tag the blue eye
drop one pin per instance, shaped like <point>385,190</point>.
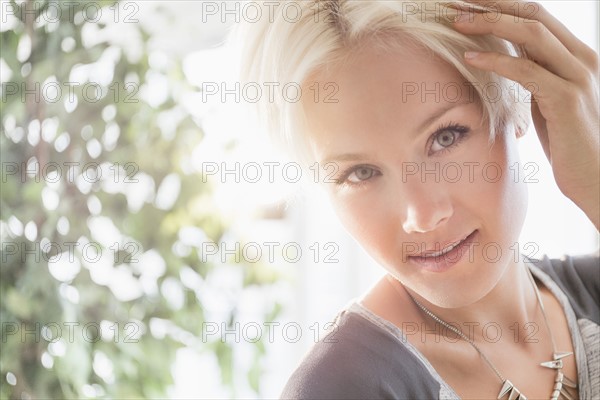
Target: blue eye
<point>447,136</point>
<point>357,175</point>
<point>361,173</point>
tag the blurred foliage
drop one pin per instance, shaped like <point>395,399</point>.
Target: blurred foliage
<point>113,171</point>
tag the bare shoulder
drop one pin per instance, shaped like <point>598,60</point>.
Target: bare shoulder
<point>390,304</point>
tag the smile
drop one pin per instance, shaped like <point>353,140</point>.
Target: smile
<point>448,248</point>
<point>443,260</point>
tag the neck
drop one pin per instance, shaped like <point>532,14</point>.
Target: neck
<point>504,314</point>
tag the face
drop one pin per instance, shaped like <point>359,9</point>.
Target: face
<point>414,173</point>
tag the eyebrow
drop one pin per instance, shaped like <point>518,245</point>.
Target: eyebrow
<point>440,113</point>
<point>428,121</point>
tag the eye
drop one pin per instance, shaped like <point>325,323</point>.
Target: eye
<point>361,174</point>
<point>357,175</point>
<point>446,137</point>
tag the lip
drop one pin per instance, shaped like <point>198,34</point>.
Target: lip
<point>445,261</point>
<point>444,246</point>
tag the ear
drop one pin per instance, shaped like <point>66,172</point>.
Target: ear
<point>520,132</point>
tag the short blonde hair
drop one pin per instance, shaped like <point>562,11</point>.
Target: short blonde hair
<point>294,39</point>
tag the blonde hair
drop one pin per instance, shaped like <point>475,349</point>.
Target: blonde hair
<point>295,38</point>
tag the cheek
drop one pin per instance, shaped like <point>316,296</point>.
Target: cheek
<point>499,190</point>
<point>352,211</point>
<point>370,225</point>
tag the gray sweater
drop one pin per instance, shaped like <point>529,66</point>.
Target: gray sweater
<point>367,357</point>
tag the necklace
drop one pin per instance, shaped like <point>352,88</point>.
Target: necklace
<point>561,382</point>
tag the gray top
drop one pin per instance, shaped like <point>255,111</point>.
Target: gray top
<point>368,357</point>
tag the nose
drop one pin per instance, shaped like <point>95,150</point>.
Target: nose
<point>427,206</point>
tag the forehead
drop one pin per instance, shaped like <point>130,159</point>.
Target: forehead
<point>380,91</point>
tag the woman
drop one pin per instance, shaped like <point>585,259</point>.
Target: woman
<point>396,97</point>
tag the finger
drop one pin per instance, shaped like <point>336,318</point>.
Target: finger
<point>534,11</point>
<point>550,91</point>
<point>539,43</point>
<point>541,129</point>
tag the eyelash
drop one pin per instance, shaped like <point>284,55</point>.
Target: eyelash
<point>461,130</point>
<point>343,179</point>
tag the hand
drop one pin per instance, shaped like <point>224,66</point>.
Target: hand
<point>564,104</point>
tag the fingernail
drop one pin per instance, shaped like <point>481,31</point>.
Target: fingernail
<point>462,17</point>
<point>471,54</point>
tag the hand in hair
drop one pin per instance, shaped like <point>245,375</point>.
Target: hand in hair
<point>562,74</point>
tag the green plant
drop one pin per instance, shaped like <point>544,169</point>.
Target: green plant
<point>100,235</point>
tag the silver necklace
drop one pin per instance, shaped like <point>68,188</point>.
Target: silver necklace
<point>561,382</point>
